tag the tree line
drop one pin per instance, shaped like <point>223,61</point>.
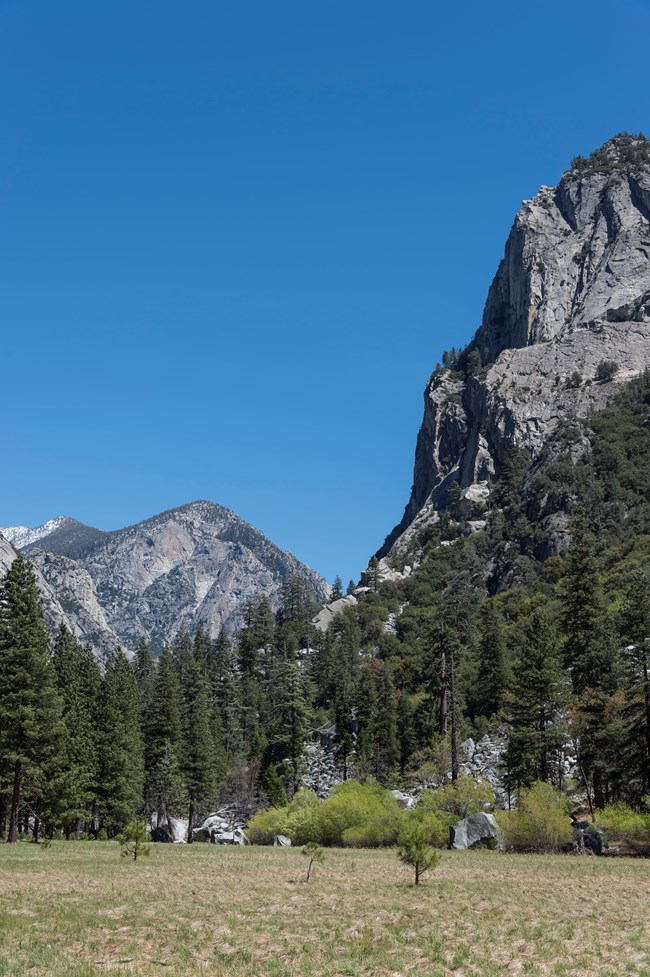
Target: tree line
<point>489,632</point>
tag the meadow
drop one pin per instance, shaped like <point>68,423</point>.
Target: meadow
<point>79,910</point>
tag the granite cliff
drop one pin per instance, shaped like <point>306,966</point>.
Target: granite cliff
<point>571,293</point>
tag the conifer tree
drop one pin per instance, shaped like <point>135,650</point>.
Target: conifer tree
<point>183,654</point>
<point>256,634</point>
<point>199,750</point>
<point>492,665</point>
<point>224,679</point>
<point>337,588</point>
<point>536,704</point>
<point>636,633</point>
<point>78,680</point>
<point>365,708</point>
<point>589,653</point>
<point>161,723</point>
<point>385,746</point>
<point>144,663</point>
<point>343,719</point>
<point>291,719</point>
<point>405,731</point>
<point>121,764</point>
<point>30,709</point>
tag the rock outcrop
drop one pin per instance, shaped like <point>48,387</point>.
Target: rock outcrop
<point>325,617</point>
<point>572,291</point>
<point>53,609</point>
<point>198,563</point>
<point>477,829</point>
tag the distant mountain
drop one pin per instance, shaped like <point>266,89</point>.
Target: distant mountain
<point>60,535</point>
<point>197,563</point>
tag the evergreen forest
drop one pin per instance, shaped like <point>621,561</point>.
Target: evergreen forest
<point>538,625</point>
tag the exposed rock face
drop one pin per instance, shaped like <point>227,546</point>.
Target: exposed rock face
<point>572,290</point>
<point>477,829</point>
<point>325,617</point>
<point>484,761</point>
<point>54,613</point>
<point>198,563</point>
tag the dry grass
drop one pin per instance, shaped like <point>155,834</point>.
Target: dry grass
<point>77,910</point>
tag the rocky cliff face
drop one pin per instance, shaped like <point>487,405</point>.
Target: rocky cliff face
<point>572,291</point>
<point>198,563</point>
<point>52,606</point>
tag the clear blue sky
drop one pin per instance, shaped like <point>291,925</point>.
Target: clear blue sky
<point>235,237</point>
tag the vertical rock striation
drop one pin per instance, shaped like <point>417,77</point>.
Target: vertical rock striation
<point>572,290</point>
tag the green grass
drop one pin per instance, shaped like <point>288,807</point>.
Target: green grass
<point>79,910</point>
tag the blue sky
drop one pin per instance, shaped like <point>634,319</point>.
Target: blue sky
<point>235,238</point>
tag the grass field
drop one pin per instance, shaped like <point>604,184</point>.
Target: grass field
<point>78,909</point>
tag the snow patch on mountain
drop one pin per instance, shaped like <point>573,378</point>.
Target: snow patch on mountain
<point>21,536</point>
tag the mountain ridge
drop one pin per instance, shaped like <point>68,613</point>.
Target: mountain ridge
<point>195,563</point>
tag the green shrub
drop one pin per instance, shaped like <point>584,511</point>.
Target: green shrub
<point>362,815</point>
<point>461,798</point>
<point>300,820</point>
<point>606,370</point>
<point>436,825</point>
<point>265,825</point>
<point>304,821</point>
<point>624,824</point>
<point>540,823</point>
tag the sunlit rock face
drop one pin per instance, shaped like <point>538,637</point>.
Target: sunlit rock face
<point>199,563</point>
<point>572,290</point>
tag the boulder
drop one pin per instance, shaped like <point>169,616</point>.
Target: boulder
<point>405,801</point>
<point>477,828</point>
<point>213,822</point>
<point>160,835</point>
<point>236,837</point>
<point>281,841</point>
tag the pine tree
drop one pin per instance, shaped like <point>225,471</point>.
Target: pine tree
<point>30,709</point>
<point>636,632</point>
<point>365,710</point>
<point>589,653</point>
<point>343,719</point>
<point>121,764</point>
<point>405,731</point>
<point>492,665</point>
<point>385,746</point>
<point>78,680</point>
<point>199,756</point>
<point>224,679</point>
<point>161,724</point>
<point>536,704</point>
<point>144,663</point>
<point>256,634</point>
<point>291,719</point>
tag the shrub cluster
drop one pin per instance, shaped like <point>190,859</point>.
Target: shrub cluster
<point>367,816</point>
<point>355,815</point>
<point>624,824</point>
<point>540,823</point>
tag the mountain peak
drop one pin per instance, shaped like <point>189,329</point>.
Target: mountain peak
<point>22,536</point>
<point>571,293</point>
<point>623,153</point>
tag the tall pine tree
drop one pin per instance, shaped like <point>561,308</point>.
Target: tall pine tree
<point>30,709</point>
